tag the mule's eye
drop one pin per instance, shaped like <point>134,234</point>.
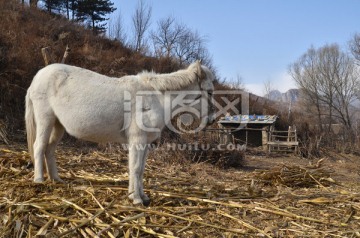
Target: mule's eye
<point>210,93</point>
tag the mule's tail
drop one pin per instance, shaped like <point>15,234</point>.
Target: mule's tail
<point>30,125</point>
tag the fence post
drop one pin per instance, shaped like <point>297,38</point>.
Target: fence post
<point>264,135</point>
<point>46,55</point>
<point>66,54</point>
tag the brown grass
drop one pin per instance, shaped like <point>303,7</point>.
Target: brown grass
<point>24,32</point>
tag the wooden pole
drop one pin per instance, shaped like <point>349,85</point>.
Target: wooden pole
<point>46,55</point>
<point>47,58</point>
<point>66,54</point>
<point>265,138</point>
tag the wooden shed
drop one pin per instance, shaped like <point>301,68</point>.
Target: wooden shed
<point>252,130</point>
<point>258,130</point>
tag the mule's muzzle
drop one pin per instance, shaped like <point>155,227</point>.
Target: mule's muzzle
<point>211,119</point>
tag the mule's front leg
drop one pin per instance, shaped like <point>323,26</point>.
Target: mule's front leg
<point>137,154</point>
<point>144,197</point>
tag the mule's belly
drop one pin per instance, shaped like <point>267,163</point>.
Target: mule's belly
<point>93,123</point>
<point>93,134</point>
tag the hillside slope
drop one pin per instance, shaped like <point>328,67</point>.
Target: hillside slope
<point>25,31</point>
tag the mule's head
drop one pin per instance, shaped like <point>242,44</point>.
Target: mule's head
<point>204,87</point>
<point>191,105</point>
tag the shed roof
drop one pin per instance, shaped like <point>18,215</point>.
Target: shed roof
<point>248,119</point>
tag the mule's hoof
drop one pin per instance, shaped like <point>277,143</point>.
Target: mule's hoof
<point>58,180</point>
<point>38,180</point>
<point>138,202</point>
<point>29,165</point>
<point>146,202</point>
<point>131,196</point>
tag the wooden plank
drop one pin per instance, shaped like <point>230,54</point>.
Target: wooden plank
<point>283,143</point>
<point>283,136</point>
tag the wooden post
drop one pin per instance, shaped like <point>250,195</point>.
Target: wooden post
<point>289,134</point>
<point>228,137</point>
<point>47,58</point>
<point>66,54</point>
<point>265,138</point>
<point>246,137</point>
<point>46,55</point>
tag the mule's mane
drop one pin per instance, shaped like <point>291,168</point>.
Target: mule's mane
<point>172,81</point>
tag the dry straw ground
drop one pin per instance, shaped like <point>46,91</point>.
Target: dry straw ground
<point>267,197</point>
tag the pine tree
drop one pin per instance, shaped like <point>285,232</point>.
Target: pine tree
<point>94,11</point>
<point>70,8</point>
<point>52,5</point>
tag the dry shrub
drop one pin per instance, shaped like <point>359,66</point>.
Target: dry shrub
<point>186,148</point>
<point>310,139</point>
<point>297,176</point>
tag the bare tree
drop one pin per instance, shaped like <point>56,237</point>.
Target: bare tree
<point>354,45</point>
<point>268,87</point>
<point>175,40</point>
<point>141,23</point>
<point>236,83</point>
<point>167,36</point>
<point>306,74</point>
<point>329,82</point>
<point>190,47</point>
<point>239,83</point>
<point>116,29</point>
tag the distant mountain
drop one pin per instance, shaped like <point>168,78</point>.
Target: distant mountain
<point>292,95</point>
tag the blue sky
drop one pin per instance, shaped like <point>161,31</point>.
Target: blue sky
<point>258,39</point>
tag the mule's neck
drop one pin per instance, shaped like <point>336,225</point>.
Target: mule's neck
<point>180,80</point>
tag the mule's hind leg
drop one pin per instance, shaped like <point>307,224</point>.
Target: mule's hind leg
<point>56,135</point>
<point>44,124</point>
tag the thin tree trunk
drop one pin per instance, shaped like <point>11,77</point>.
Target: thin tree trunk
<point>66,54</point>
<point>46,55</point>
<point>67,9</point>
<point>33,3</point>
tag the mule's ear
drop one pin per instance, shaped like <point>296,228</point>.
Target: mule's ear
<point>198,61</point>
<point>200,72</point>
